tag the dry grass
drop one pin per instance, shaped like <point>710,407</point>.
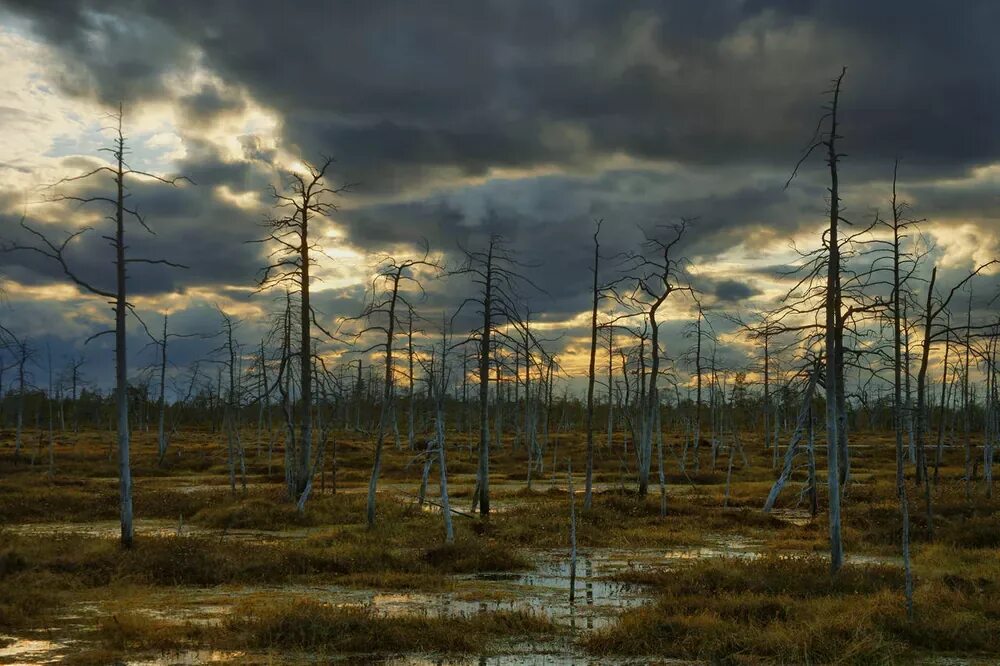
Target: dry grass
<point>308,625</point>
<point>776,609</point>
<point>790,610</point>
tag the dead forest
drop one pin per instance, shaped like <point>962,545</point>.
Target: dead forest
<point>410,483</point>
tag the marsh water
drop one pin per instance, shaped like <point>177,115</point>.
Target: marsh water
<point>542,589</point>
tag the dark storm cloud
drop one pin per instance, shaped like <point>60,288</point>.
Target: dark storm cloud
<point>733,291</point>
<point>548,223</point>
<point>393,86</point>
<point>122,56</point>
<point>192,227</point>
<point>404,94</point>
<point>210,102</point>
<point>415,98</point>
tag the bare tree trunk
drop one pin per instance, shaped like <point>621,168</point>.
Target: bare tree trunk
<point>304,461</point>
<point>529,430</point>
<point>659,458</point>
<point>908,398</point>
<point>572,533</point>
<point>697,403</point>
<point>439,401</point>
<point>161,437</point>
<point>898,406</point>
<point>76,409</point>
<point>548,399</point>
<point>284,382</point>
<point>844,455</point>
<point>517,399</point>
<point>939,452</point>
<point>394,419</point>
<point>425,475</point>
<point>767,400</point>
<point>48,400</point>
<point>121,357</point>
<point>832,352</point>
<point>966,404</point>
<point>498,402</point>
<point>22,360</point>
<point>591,376</point>
<point>410,430</point>
<point>990,414</point>
<point>611,380</point>
<point>805,414</point>
<point>229,418</point>
<point>484,389</point>
<point>921,416</point>
<point>812,490</point>
<point>386,409</point>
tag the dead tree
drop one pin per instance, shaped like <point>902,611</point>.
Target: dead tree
<point>696,355</point>
<point>833,318</point>
<point>526,345</point>
<point>900,224</point>
<point>264,403</point>
<point>437,385</point>
<point>306,200</point>
<point>75,381</point>
<point>121,174</point>
<point>24,354</point>
<point>231,409</point>
<point>934,307</point>
<point>764,332</point>
<point>803,427</point>
<point>966,402</point>
<point>833,350</point>
<point>611,383</point>
<point>390,286</point>
<point>162,438</point>
<point>656,274</point>
<point>591,374</point>
<point>495,273</point>
<point>49,394</point>
<point>939,452</point>
<point>411,397</point>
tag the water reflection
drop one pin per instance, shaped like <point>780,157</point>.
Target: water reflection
<point>545,590</point>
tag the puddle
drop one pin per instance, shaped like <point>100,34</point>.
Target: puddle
<point>14,650</point>
<point>598,600</point>
<point>539,658</point>
<point>191,657</point>
<point>517,655</point>
<point>156,527</point>
<point>191,489</point>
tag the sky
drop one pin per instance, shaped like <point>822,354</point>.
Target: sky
<point>455,120</point>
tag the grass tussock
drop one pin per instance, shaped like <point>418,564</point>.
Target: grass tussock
<point>255,513</point>
<point>475,555</point>
<point>25,597</point>
<point>799,576</point>
<point>790,610</point>
<point>308,625</point>
<point>137,632</point>
<point>35,574</point>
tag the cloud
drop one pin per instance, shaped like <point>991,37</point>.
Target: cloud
<point>529,120</point>
<point>733,291</point>
<point>391,86</point>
